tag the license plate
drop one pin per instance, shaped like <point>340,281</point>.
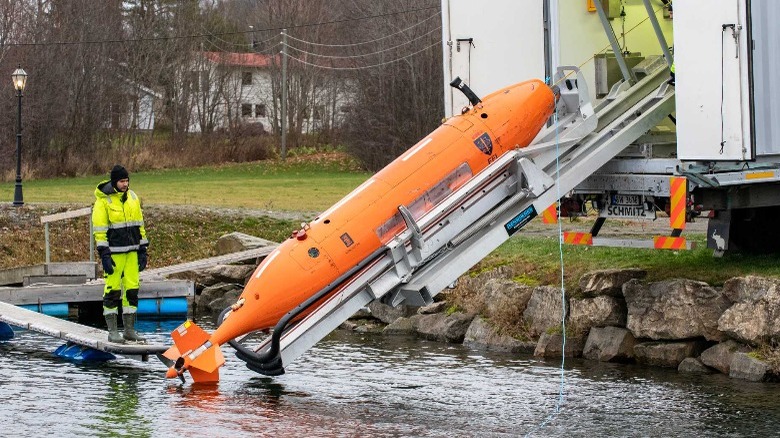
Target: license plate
<point>627,211</point>
<point>635,200</point>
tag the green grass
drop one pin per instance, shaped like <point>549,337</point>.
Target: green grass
<point>176,235</point>
<point>312,184</point>
<point>302,186</point>
<point>537,257</point>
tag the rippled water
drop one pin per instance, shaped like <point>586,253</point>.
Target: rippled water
<point>371,385</point>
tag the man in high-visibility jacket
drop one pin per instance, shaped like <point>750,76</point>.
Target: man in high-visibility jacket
<point>120,237</point>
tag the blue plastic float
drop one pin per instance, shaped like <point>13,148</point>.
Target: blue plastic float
<point>6,332</point>
<point>147,307</point>
<point>81,353</point>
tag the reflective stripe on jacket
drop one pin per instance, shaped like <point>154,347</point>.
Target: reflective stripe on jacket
<point>117,220</point>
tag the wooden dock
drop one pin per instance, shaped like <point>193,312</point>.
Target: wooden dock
<point>82,271</point>
<point>39,290</point>
<point>235,257</point>
<point>75,333</point>
<point>153,283</point>
<point>70,293</point>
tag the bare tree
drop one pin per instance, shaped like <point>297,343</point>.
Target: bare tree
<point>398,101</point>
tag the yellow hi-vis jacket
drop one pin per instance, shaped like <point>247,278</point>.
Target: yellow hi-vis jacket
<point>117,220</point>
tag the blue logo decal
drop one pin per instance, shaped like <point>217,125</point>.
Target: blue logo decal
<point>520,220</point>
<point>484,143</point>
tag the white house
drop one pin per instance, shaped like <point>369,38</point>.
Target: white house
<point>135,109</point>
<point>236,88</point>
<point>247,79</point>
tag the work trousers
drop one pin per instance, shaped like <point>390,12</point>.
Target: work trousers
<point>124,278</point>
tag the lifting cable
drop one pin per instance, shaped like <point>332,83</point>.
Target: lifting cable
<point>562,385</point>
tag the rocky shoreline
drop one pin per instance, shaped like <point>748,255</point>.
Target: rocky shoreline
<point>613,316</point>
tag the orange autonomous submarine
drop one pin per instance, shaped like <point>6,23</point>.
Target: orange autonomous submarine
<point>395,221</point>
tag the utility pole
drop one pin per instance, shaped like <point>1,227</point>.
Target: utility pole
<point>284,94</point>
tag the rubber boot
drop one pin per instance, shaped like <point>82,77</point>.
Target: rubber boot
<point>113,331</point>
<point>128,319</point>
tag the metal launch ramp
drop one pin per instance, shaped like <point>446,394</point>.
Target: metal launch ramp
<point>442,245</point>
<point>75,333</point>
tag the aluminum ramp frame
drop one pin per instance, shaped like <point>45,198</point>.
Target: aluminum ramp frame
<point>75,333</point>
<point>434,251</point>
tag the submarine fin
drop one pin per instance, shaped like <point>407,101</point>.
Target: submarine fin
<point>201,357</point>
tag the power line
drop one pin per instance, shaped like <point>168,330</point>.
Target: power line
<point>365,66</point>
<point>365,42</point>
<point>244,32</point>
<point>364,54</point>
<point>243,45</point>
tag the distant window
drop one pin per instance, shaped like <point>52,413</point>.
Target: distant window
<point>260,110</point>
<point>246,78</point>
<point>246,109</point>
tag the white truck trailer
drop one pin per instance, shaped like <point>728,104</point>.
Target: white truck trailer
<point>722,135</point>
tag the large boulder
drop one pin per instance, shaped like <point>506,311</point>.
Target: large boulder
<point>388,314</point>
<point>211,293</point>
<point>230,273</point>
<point>437,307</point>
<point>550,345</point>
<point>609,344</point>
<point>745,367</point>
<point>754,317</point>
<point>217,305</point>
<point>720,356</point>
<point>444,328</point>
<point>601,311</point>
<point>505,298</point>
<point>472,291</point>
<point>402,326</point>
<point>236,241</point>
<point>665,354</point>
<point>608,281</point>
<point>482,336</point>
<point>544,310</point>
<point>217,274</point>
<point>674,309</point>
<point>691,365</point>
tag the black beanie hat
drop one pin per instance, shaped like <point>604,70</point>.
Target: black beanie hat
<point>117,173</point>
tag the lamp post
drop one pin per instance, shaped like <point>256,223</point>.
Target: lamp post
<point>19,77</point>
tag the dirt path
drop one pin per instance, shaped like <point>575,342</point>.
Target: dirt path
<point>617,228</point>
<point>30,215</point>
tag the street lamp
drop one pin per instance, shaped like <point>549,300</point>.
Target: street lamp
<point>19,78</point>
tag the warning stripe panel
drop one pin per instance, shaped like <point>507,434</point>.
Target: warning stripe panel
<point>665,242</point>
<point>572,238</point>
<point>550,215</point>
<point>678,197</point>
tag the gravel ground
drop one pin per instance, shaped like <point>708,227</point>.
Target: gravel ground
<point>11,217</point>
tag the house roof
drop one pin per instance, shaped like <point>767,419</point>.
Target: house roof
<point>239,59</point>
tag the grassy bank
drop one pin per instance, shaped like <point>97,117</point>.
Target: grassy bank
<point>301,185</point>
<point>180,234</point>
<point>188,209</point>
<point>536,260</point>
<point>177,235</point>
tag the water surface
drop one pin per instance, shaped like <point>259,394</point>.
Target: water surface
<point>372,385</point>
